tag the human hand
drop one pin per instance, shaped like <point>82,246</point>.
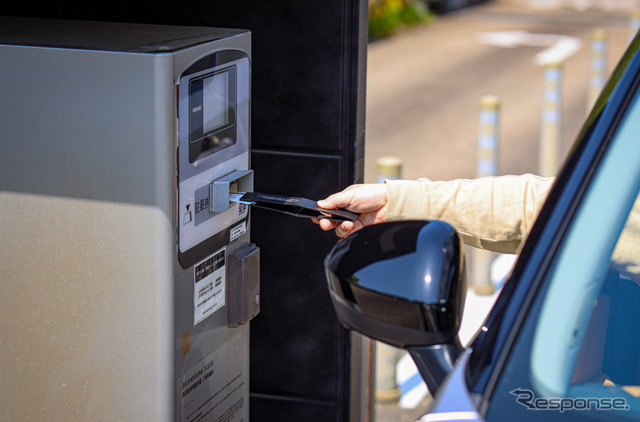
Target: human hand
<point>370,200</point>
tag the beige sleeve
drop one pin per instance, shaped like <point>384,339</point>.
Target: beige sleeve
<point>493,213</point>
<point>626,255</point>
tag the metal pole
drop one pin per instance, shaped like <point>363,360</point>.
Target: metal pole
<point>551,120</point>
<point>362,407</point>
<point>598,68</point>
<point>488,148</point>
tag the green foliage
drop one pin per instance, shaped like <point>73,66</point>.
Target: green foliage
<point>386,17</point>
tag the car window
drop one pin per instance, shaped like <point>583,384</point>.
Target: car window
<point>578,353</point>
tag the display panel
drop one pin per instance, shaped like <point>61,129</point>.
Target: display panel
<point>212,113</point>
<point>215,102</point>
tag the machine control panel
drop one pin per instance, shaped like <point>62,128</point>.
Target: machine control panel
<point>213,145</point>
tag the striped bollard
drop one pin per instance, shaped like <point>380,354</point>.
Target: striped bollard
<point>386,388</point>
<point>598,66</point>
<point>488,139</point>
<point>549,157</point>
<point>634,23</point>
<point>388,167</point>
<point>487,165</point>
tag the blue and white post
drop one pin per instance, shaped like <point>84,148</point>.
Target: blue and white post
<point>488,136</point>
<point>387,390</point>
<point>388,167</point>
<point>598,66</point>
<point>487,165</point>
<point>550,133</point>
<point>634,23</point>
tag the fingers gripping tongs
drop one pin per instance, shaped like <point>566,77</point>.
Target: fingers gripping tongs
<point>298,207</point>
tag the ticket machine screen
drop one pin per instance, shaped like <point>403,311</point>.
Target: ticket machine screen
<point>212,102</point>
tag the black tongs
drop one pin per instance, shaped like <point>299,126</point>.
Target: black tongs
<point>298,207</point>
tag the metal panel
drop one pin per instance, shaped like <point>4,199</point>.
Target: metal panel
<point>87,224</point>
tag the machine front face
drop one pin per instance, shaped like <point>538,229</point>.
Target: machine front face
<point>217,268</point>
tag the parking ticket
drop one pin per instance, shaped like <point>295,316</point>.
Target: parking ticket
<point>298,207</point>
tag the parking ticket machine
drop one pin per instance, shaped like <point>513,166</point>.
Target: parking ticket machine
<point>127,276</point>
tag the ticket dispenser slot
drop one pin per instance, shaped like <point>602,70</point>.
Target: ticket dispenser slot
<point>221,189</point>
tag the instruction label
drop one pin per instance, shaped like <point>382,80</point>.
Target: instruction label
<point>210,391</point>
<point>201,205</point>
<point>238,231</point>
<point>210,285</point>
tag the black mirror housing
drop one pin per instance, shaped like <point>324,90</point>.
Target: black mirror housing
<point>402,283</point>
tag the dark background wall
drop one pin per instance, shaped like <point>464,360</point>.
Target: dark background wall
<point>308,76</point>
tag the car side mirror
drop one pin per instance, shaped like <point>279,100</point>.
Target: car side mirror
<point>403,283</point>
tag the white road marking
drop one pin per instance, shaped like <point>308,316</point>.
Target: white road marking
<point>558,47</point>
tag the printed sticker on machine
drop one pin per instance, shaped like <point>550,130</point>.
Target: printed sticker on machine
<point>209,285</point>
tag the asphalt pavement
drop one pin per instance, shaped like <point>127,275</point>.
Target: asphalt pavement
<point>424,87</point>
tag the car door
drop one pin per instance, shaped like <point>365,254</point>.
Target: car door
<point>576,353</point>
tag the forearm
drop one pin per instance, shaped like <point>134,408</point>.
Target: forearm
<point>626,255</point>
<point>493,213</point>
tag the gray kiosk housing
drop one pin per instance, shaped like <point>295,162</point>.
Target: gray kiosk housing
<point>123,295</point>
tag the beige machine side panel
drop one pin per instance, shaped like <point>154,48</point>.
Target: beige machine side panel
<point>81,309</point>
<point>87,191</point>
